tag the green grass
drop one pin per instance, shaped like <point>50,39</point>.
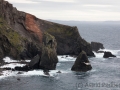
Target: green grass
<point>13,36</point>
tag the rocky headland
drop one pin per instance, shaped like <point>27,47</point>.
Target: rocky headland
<point>24,36</point>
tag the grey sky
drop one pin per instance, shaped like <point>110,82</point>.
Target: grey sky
<point>82,10</point>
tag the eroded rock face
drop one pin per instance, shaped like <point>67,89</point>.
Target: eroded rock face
<point>68,38</point>
<point>32,26</point>
<point>47,58</point>
<point>108,54</point>
<point>21,31</point>
<point>82,63</point>
<point>96,46</point>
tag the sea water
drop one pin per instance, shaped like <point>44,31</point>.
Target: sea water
<point>105,74</point>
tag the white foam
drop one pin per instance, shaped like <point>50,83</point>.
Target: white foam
<point>34,72</point>
<point>100,55</point>
<point>12,65</point>
<point>27,60</point>
<point>8,60</point>
<point>110,50</point>
<point>52,73</point>
<point>8,73</point>
<point>65,59</point>
<point>118,56</point>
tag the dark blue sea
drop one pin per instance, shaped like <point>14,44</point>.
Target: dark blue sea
<point>105,74</point>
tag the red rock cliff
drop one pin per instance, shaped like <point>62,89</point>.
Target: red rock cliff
<point>32,26</point>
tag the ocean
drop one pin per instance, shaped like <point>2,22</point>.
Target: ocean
<point>105,74</point>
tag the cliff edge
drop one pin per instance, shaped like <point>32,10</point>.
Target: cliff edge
<point>21,35</point>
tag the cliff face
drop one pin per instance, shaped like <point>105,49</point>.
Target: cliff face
<point>28,36</point>
<point>69,41</point>
<point>28,31</point>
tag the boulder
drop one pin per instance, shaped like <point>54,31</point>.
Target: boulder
<point>108,54</point>
<point>82,63</point>
<point>24,68</point>
<point>96,46</point>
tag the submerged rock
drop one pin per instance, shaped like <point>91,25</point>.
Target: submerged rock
<point>46,72</point>
<point>108,54</point>
<point>82,63</point>
<point>59,72</point>
<point>24,68</point>
<point>96,46</point>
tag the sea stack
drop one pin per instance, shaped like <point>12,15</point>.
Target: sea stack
<point>108,54</point>
<point>82,63</point>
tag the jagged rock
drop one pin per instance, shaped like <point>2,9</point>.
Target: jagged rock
<point>108,54</point>
<point>68,39</point>
<point>82,63</point>
<point>35,62</point>
<point>96,46</point>
<point>24,68</point>
<point>49,58</point>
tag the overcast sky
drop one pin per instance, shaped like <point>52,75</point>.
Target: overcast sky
<point>79,10</point>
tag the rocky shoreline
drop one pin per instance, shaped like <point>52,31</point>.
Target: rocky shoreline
<point>24,36</point>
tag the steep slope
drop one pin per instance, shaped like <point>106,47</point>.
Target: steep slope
<point>21,37</point>
<point>32,29</point>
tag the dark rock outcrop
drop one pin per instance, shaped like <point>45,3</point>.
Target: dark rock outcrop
<point>49,58</point>
<point>96,46</point>
<point>108,54</point>
<point>68,39</point>
<point>82,63</point>
<point>46,59</point>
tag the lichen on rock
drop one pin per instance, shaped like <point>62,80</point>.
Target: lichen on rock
<point>10,40</point>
